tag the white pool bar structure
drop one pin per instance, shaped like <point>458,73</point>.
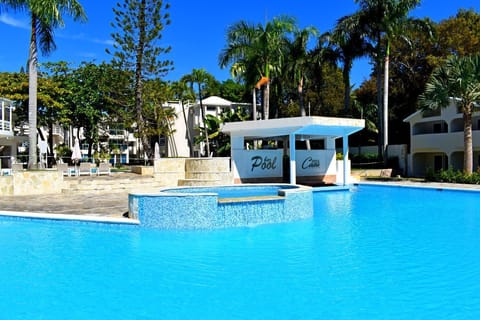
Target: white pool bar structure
<point>293,150</point>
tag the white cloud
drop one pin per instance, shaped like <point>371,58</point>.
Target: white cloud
<point>6,19</point>
<point>108,42</point>
<point>86,38</point>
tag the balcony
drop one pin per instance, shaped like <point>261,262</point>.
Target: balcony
<point>6,109</point>
<point>442,142</point>
<point>58,131</point>
<point>117,134</point>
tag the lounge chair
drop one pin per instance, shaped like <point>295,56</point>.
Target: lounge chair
<point>6,172</point>
<point>103,168</point>
<point>63,168</point>
<point>17,167</point>
<point>86,168</point>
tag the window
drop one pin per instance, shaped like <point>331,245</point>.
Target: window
<point>440,162</point>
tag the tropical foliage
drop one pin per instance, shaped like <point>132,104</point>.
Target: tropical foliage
<point>219,141</point>
<point>453,176</point>
<point>382,21</point>
<point>200,77</point>
<point>256,51</point>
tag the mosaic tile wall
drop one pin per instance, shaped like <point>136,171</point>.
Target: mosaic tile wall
<point>203,211</point>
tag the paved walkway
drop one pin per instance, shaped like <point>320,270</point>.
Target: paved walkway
<point>116,204</point>
<point>93,204</point>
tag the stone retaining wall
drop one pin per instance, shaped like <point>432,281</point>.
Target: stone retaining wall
<point>193,171</point>
<point>6,185</point>
<point>31,182</point>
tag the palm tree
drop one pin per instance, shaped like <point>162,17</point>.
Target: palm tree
<point>298,60</point>
<point>257,51</point>
<point>200,77</point>
<point>182,92</point>
<point>345,44</point>
<point>382,21</point>
<point>45,16</point>
<point>458,80</point>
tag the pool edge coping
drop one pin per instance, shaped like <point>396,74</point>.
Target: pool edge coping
<point>69,217</point>
<point>418,186</point>
<point>169,191</point>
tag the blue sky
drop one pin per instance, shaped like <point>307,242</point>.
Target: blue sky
<point>197,32</point>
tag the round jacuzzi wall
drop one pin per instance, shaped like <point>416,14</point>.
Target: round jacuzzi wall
<point>202,208</point>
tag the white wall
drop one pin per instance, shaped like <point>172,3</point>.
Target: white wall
<point>258,163</point>
<point>315,163</point>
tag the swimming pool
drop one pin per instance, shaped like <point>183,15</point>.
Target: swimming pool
<point>372,253</point>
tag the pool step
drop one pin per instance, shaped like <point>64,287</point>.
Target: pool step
<point>111,184</point>
<point>200,182</point>
<point>206,178</point>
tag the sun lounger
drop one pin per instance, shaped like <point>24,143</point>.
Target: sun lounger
<point>6,172</point>
<point>103,168</point>
<point>17,167</point>
<point>66,170</point>
<point>86,168</point>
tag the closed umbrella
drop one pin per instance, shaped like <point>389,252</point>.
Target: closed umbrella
<point>157,151</point>
<point>76,153</point>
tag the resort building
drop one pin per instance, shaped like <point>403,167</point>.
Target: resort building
<point>188,122</point>
<point>8,141</point>
<point>120,141</point>
<point>436,140</point>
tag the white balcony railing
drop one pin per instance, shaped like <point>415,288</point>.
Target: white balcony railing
<point>6,109</point>
<point>441,141</point>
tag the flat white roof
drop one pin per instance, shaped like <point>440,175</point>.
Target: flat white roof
<point>309,127</point>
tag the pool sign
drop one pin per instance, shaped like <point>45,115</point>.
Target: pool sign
<point>314,162</point>
<point>310,162</point>
<point>263,163</point>
<point>259,163</point>
<point>269,163</point>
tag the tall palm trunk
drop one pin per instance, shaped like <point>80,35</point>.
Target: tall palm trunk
<point>379,96</point>
<point>467,136</point>
<point>187,129</point>
<point>266,101</point>
<point>385,107</point>
<point>303,113</point>
<point>380,110</point>
<point>346,84</point>
<point>204,119</point>
<point>32,96</point>
<point>50,158</point>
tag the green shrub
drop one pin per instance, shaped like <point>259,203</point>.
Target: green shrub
<point>364,157</point>
<point>452,176</point>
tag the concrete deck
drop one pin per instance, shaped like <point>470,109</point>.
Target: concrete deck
<point>92,204</point>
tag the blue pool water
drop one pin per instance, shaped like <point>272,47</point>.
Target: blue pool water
<point>372,253</point>
<point>237,191</point>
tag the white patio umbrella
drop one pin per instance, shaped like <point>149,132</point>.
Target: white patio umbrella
<point>76,153</point>
<point>157,151</point>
